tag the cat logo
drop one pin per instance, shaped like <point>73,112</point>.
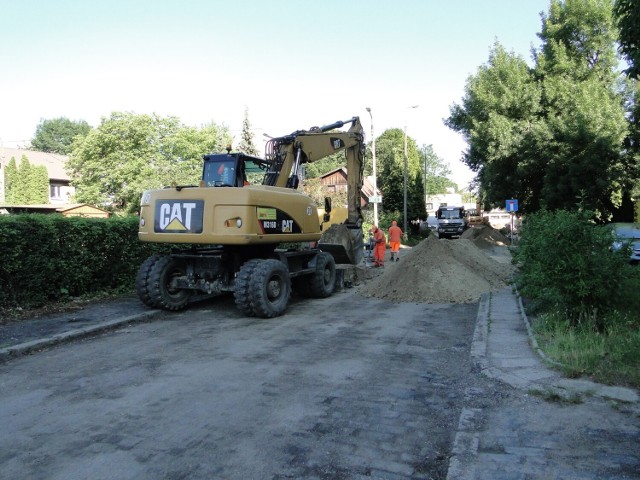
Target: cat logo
<point>173,216</point>
<point>287,226</point>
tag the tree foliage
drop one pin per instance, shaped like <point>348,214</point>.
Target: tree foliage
<point>246,142</point>
<point>26,184</point>
<point>57,135</point>
<point>435,171</point>
<point>130,153</point>
<point>390,159</point>
<point>551,135</point>
<point>566,264</point>
<point>627,14</point>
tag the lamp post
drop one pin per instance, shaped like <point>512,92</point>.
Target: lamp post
<point>405,231</point>
<point>375,175</point>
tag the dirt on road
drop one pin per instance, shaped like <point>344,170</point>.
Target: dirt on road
<point>446,271</point>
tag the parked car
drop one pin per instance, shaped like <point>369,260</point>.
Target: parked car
<point>628,233</point>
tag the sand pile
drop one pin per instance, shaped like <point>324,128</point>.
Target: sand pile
<point>442,271</point>
<point>485,237</point>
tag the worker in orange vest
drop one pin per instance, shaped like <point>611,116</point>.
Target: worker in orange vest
<point>380,245</point>
<point>395,236</point>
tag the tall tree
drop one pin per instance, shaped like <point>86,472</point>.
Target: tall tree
<point>551,136</point>
<point>583,108</point>
<point>57,135</point>
<point>390,157</point>
<point>627,13</point>
<point>10,179</point>
<point>26,184</point>
<point>435,171</point>
<point>500,118</point>
<point>130,153</point>
<point>246,142</point>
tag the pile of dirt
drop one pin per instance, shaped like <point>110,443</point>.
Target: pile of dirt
<point>485,237</point>
<point>443,271</point>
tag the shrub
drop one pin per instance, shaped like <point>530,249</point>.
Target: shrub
<point>566,264</point>
<point>45,258</point>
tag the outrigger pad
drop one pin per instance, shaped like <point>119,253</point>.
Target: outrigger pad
<point>345,244</point>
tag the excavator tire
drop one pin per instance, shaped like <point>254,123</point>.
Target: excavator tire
<point>270,288</point>
<point>143,283</point>
<point>160,291</point>
<point>242,290</point>
<point>323,280</point>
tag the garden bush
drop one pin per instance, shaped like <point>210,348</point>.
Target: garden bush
<point>45,258</point>
<point>566,265</point>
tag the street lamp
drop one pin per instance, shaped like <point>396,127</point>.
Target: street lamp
<point>405,231</point>
<point>375,175</point>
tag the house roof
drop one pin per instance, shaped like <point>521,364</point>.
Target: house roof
<point>54,162</point>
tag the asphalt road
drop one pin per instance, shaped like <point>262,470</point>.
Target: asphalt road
<point>344,387</point>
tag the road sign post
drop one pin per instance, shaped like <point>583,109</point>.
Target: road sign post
<point>512,208</point>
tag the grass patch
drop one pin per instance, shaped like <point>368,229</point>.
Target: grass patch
<point>610,356</point>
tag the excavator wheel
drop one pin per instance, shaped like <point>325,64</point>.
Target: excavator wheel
<point>143,283</point>
<point>242,290</point>
<point>323,280</point>
<point>270,288</point>
<point>161,292</point>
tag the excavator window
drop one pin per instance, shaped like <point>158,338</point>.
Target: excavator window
<point>220,174</point>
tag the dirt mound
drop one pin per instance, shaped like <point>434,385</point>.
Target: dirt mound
<point>484,236</point>
<point>440,271</point>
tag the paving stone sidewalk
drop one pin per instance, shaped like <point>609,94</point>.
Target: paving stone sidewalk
<point>552,427</point>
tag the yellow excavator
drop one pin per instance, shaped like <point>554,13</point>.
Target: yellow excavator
<point>257,240</point>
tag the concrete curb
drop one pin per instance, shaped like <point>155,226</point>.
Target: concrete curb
<point>14,351</point>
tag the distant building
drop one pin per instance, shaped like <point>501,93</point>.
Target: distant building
<point>66,210</point>
<point>60,190</point>
<point>336,181</point>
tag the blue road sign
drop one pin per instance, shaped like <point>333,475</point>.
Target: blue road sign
<point>512,205</point>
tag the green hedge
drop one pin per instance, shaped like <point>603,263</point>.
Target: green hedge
<point>45,258</point>
<point>566,265</point>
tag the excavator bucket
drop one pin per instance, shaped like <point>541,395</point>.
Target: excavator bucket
<point>345,244</point>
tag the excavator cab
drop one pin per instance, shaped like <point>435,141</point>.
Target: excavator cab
<point>232,170</point>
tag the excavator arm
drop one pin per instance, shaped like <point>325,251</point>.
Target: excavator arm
<point>286,154</point>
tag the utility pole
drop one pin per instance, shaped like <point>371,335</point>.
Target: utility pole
<point>405,231</point>
<point>375,175</point>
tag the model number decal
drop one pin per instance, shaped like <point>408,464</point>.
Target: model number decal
<point>273,221</point>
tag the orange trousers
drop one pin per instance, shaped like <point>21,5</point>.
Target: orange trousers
<point>378,254</point>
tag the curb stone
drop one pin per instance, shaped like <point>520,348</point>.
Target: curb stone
<point>14,351</point>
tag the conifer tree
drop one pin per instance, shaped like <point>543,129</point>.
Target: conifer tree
<point>246,142</point>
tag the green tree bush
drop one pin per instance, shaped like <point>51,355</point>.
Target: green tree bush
<point>46,258</point>
<point>129,153</point>
<point>57,135</point>
<point>566,265</point>
<point>26,184</point>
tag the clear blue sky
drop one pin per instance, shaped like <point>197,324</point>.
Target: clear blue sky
<point>293,64</point>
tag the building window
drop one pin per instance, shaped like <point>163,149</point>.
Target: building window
<point>55,191</point>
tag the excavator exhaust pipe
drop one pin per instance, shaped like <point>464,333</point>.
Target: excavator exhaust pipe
<point>345,244</point>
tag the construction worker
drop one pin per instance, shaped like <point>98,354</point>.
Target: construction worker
<point>395,236</point>
<point>380,245</point>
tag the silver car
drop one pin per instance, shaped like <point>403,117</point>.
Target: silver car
<point>628,233</point>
